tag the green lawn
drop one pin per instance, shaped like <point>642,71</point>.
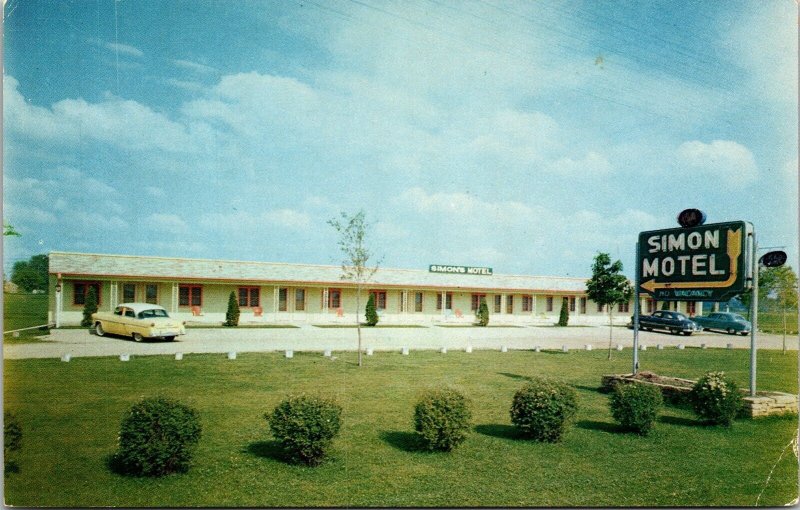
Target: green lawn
<point>70,413</point>
<point>770,322</point>
<point>24,311</point>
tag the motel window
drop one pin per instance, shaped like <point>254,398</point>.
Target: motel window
<point>476,301</point>
<point>572,304</point>
<point>190,295</point>
<point>151,293</point>
<point>128,293</point>
<point>624,307</point>
<point>498,303</point>
<point>418,301</point>
<point>299,300</point>
<point>334,298</point>
<point>509,304</point>
<point>690,308</point>
<point>81,290</point>
<point>549,303</point>
<point>651,306</point>
<point>380,299</point>
<point>283,303</point>
<point>600,307</point>
<point>448,301</point>
<point>527,303</point>
<point>583,305</point>
<point>249,296</point>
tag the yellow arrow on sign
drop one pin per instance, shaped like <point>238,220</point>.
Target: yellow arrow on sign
<point>734,250</point>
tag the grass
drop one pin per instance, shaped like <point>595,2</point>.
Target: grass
<point>241,326</point>
<point>24,311</point>
<point>769,322</point>
<point>70,414</point>
<point>477,326</point>
<point>353,326</point>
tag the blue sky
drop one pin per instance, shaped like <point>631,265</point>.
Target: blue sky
<point>523,136</point>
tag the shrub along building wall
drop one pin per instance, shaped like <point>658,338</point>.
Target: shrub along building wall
<point>197,290</point>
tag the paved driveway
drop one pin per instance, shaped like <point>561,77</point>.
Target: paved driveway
<point>80,342</point>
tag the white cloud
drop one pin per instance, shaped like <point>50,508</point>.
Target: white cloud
<point>170,223</point>
<point>593,164</point>
<point>118,48</point>
<point>194,66</point>
<point>288,218</point>
<point>729,161</point>
<point>155,192</point>
<point>245,223</point>
<point>189,86</point>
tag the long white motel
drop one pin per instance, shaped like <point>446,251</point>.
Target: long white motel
<point>197,291</point>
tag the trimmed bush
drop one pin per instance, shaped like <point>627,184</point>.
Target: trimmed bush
<point>482,314</point>
<point>89,307</point>
<point>12,440</point>
<point>232,315</point>
<point>371,314</point>
<point>157,437</point>
<point>305,426</point>
<point>543,409</point>
<point>442,418</point>
<point>636,406</point>
<point>716,399</point>
<point>563,318</point>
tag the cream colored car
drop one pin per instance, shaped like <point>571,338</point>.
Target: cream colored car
<point>138,320</point>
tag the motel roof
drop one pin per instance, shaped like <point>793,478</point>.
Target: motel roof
<point>90,265</point>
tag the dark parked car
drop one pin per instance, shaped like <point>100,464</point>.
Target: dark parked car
<point>730,323</point>
<point>674,322</point>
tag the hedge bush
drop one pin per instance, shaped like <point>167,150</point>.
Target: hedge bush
<point>636,406</point>
<point>716,399</point>
<point>370,312</point>
<point>306,425</point>
<point>233,312</point>
<point>157,438</point>
<point>12,441</point>
<point>482,314</point>
<point>442,418</point>
<point>543,409</point>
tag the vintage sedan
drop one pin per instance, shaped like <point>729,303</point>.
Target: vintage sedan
<point>138,320</point>
<point>730,323</point>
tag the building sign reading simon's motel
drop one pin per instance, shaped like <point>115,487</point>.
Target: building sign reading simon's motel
<point>703,263</point>
<point>436,268</point>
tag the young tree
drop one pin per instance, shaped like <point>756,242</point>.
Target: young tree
<point>8,230</point>
<point>371,314</point>
<point>607,287</point>
<point>89,307</point>
<point>483,313</point>
<point>232,315</point>
<point>352,232</point>
<point>31,274</point>
<point>563,318</point>
<point>777,293</point>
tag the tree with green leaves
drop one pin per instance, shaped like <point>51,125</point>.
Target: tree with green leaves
<point>89,306</point>
<point>777,293</point>
<point>352,230</point>
<point>608,287</point>
<point>483,313</point>
<point>8,230</point>
<point>563,318</point>
<point>232,315</point>
<point>31,275</point>
<point>371,314</point>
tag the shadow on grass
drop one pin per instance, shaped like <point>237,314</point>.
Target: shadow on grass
<point>404,441</point>
<point>685,422</point>
<point>267,450</point>
<point>499,430</point>
<point>515,376</point>
<point>602,426</point>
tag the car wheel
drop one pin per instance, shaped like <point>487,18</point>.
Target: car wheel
<point>744,333</point>
<point>137,337</point>
<point>731,331</point>
<point>169,338</point>
<point>98,329</point>
<point>674,331</point>
<point>687,333</point>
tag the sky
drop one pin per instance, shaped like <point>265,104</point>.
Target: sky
<point>522,136</point>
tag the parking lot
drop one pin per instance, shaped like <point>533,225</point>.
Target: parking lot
<point>80,342</point>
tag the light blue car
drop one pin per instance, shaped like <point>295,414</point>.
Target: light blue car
<point>730,323</point>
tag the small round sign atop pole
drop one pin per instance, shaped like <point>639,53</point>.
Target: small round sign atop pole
<point>691,218</point>
<point>773,259</point>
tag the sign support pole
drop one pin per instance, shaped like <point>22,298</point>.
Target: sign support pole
<point>754,317</point>
<point>636,313</point>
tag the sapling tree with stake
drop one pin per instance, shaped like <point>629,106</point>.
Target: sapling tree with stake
<point>352,232</point>
<point>608,287</point>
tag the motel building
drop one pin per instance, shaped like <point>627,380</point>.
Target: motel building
<point>197,291</point>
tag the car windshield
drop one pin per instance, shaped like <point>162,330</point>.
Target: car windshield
<point>738,318</point>
<point>679,315</point>
<point>152,313</point>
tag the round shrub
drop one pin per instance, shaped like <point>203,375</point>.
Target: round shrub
<point>306,425</point>
<point>442,418</point>
<point>716,399</point>
<point>636,406</point>
<point>543,409</point>
<point>157,437</point>
<point>12,440</point>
